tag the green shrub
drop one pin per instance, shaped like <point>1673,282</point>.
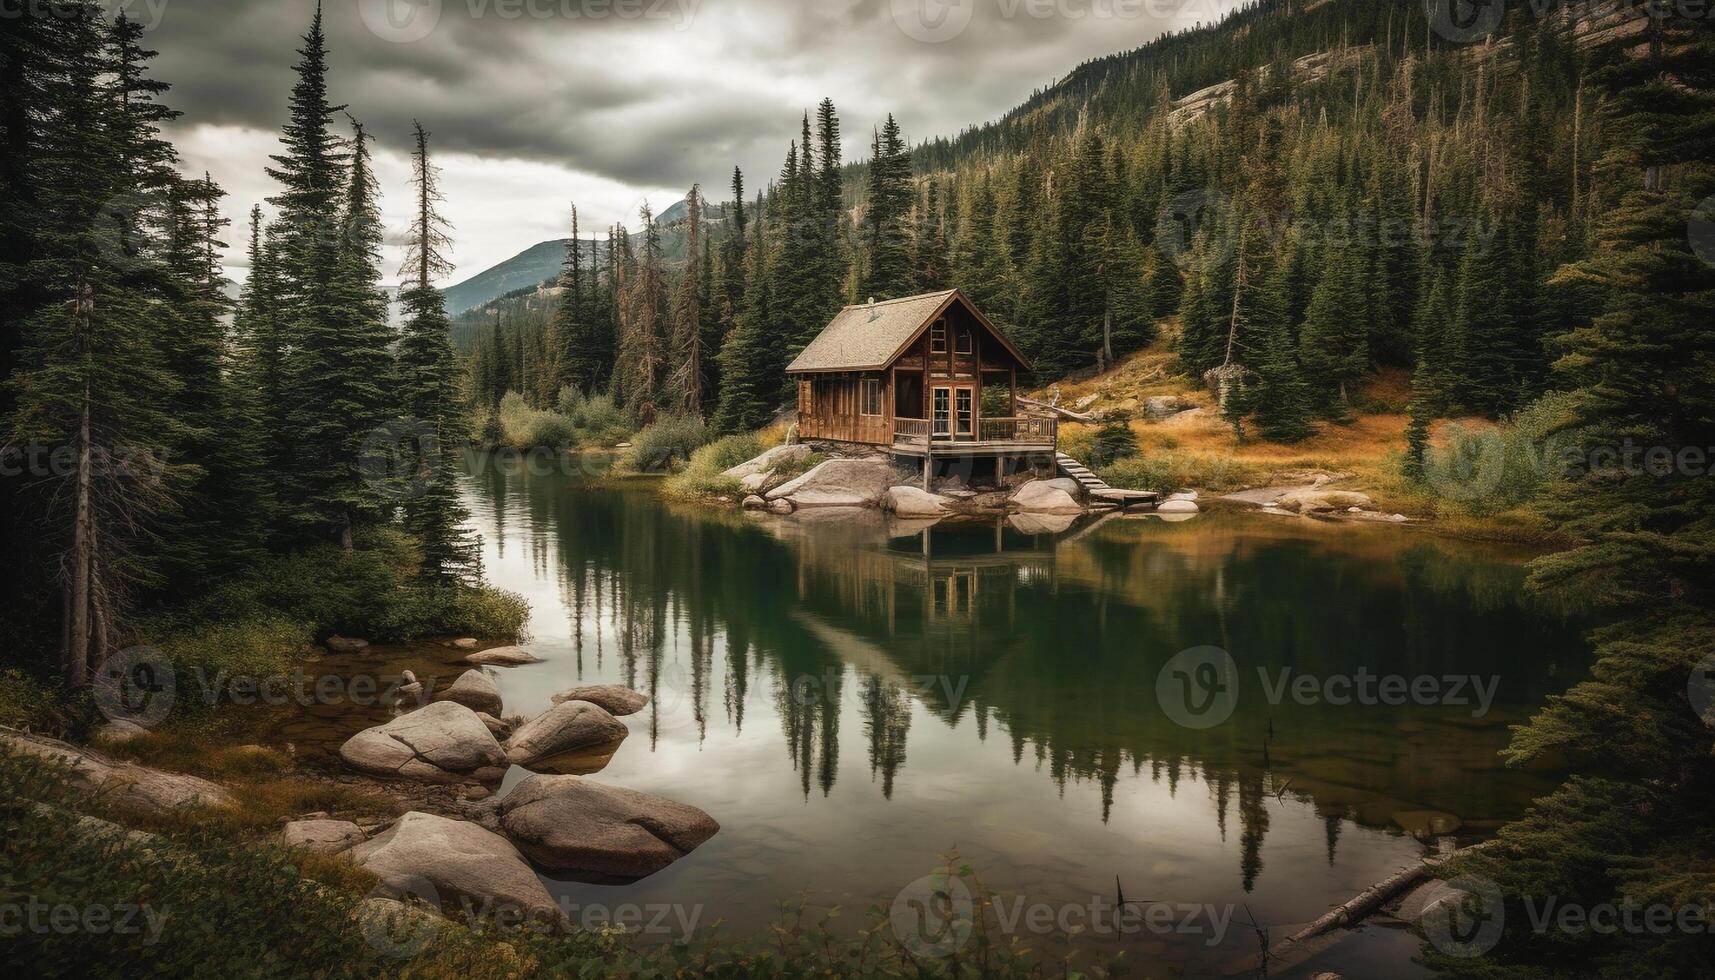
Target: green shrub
<point>1113,443</point>
<point>1483,472</point>
<point>530,428</point>
<point>702,477</point>
<point>598,421</point>
<point>256,624</point>
<point>255,646</point>
<point>491,433</point>
<point>27,703</point>
<point>665,444</point>
<point>1168,472</point>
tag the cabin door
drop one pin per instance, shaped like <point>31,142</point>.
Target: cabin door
<point>941,410</point>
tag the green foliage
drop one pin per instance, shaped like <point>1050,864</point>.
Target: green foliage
<point>596,419</point>
<point>1491,469</point>
<point>259,621</point>
<point>702,477</point>
<point>1112,443</point>
<point>666,444</point>
<point>524,427</point>
<point>1168,472</point>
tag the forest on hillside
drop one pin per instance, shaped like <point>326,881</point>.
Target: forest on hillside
<point>1361,193</point>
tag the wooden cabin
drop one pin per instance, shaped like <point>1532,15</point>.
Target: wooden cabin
<point>909,374</point>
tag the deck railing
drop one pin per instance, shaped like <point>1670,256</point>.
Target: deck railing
<point>910,430</point>
<point>1032,431</point>
<point>1028,430</point>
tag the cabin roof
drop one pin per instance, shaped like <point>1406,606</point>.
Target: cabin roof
<point>870,336</point>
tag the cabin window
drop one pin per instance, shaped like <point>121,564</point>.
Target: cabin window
<point>938,337</point>
<point>964,341</point>
<point>869,396</point>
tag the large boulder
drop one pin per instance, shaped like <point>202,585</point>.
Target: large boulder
<point>912,502</point>
<point>462,862</point>
<point>1159,407</point>
<point>346,644</point>
<point>502,657</point>
<point>475,690</point>
<point>838,483</point>
<point>443,742</point>
<point>572,824</point>
<point>570,726</point>
<point>768,462</point>
<point>1048,497</point>
<point>612,698</point>
<point>322,836</point>
<point>1320,500</point>
<point>127,784</point>
<point>1177,506</point>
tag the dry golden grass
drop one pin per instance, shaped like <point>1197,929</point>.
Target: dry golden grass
<point>1197,449</point>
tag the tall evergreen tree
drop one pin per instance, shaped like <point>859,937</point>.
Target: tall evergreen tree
<point>686,384</point>
<point>426,371</point>
<point>886,213</point>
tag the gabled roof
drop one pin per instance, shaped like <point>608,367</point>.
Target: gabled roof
<point>870,336</point>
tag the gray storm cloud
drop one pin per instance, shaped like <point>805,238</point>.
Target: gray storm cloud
<point>648,92</point>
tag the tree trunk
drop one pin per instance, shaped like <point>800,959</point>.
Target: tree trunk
<point>1107,338</point>
<point>82,558</point>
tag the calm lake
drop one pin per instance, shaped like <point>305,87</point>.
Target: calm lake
<point>851,699</point>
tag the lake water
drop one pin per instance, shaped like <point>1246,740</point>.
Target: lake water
<point>852,699</point>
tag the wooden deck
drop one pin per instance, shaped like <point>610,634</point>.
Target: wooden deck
<point>993,437</point>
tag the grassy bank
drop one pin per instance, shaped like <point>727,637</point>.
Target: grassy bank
<point>214,892</point>
<point>1482,482</point>
<point>265,621</point>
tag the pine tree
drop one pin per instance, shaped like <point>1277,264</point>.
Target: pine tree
<point>426,369</point>
<point>1431,381</point>
<point>1629,828</point>
<point>643,326</point>
<point>1334,342</point>
<point>340,366</point>
<point>978,263</point>
<point>886,212</point>
<point>929,241</point>
<point>686,383</point>
<point>749,381</point>
<point>90,373</point>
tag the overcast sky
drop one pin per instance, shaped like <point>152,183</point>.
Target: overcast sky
<point>535,104</point>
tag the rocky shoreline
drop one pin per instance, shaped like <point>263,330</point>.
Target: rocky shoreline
<point>448,837</point>
<point>1035,502</point>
